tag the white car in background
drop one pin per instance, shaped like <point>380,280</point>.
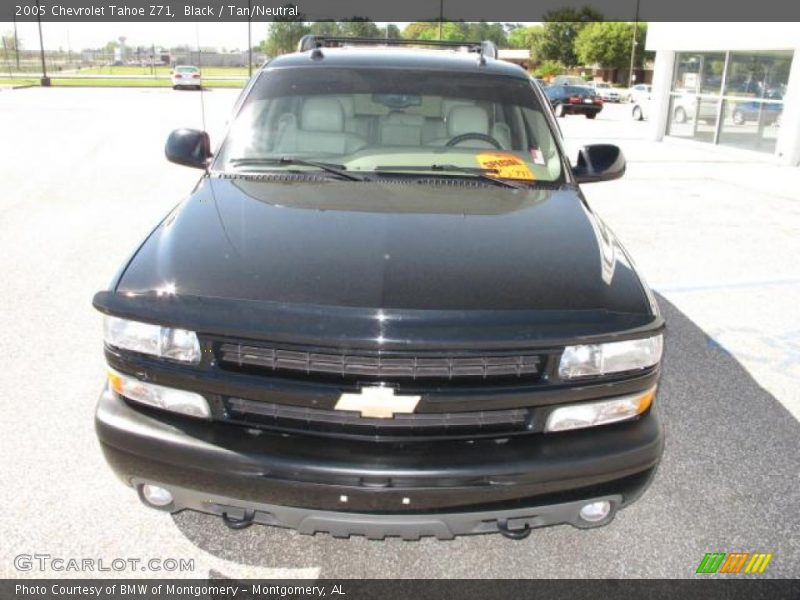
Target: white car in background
<point>641,109</point>
<point>640,93</point>
<point>186,76</point>
<point>605,91</point>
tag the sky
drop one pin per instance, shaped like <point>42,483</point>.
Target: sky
<point>77,36</point>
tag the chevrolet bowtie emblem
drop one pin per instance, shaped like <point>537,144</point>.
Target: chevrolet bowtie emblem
<point>377,403</point>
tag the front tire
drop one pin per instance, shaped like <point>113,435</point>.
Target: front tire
<point>679,115</point>
<point>637,113</point>
<point>738,117</point>
<point>591,115</point>
<point>559,110</point>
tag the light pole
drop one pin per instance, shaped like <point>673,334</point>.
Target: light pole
<point>249,43</point>
<point>441,17</point>
<point>16,41</point>
<point>633,44</point>
<point>45,81</point>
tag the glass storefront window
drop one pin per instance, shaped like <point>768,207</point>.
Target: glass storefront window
<point>693,116</point>
<point>746,114</point>
<point>694,98</point>
<point>758,74</point>
<point>699,73</point>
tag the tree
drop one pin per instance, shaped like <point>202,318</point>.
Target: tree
<point>9,43</point>
<point>527,38</point>
<point>548,69</point>
<point>359,27</point>
<point>284,33</point>
<point>325,28</point>
<point>559,31</point>
<point>608,44</point>
<point>392,32</point>
<point>477,32</point>
<point>414,30</point>
<point>451,32</point>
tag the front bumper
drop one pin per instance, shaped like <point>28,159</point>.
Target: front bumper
<point>347,487</point>
<point>582,109</point>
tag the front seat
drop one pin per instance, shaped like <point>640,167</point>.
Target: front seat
<point>464,118</point>
<point>321,130</point>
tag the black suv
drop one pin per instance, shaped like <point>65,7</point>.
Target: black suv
<point>385,309</point>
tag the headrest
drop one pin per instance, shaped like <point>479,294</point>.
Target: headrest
<point>348,104</point>
<point>322,114</point>
<point>398,118</point>
<point>467,119</point>
<point>449,103</point>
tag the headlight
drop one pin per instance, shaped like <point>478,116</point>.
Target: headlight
<point>590,414</point>
<point>178,401</point>
<point>614,357</point>
<point>164,342</point>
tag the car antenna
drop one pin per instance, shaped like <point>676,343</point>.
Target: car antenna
<point>200,66</point>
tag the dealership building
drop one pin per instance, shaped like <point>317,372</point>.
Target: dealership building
<point>736,85</point>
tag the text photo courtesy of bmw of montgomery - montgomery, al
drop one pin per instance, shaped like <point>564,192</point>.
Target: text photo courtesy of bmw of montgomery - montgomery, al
<point>356,299</point>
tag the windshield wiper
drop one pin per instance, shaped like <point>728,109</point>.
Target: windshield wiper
<point>481,173</point>
<point>339,170</point>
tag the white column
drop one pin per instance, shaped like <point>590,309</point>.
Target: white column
<point>788,147</point>
<point>659,98</point>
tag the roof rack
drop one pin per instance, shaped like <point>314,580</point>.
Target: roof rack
<point>485,48</point>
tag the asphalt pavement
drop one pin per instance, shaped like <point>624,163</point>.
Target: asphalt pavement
<point>84,179</point>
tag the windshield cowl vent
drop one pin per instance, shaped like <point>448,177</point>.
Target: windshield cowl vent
<point>276,177</point>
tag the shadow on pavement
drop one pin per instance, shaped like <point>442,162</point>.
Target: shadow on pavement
<point>729,482</point>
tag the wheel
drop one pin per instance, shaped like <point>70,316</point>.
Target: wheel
<point>174,87</point>
<point>591,115</point>
<point>637,113</point>
<point>679,115</point>
<point>559,110</point>
<point>738,117</point>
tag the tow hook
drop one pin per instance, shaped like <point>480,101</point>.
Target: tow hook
<point>513,534</point>
<point>242,523</point>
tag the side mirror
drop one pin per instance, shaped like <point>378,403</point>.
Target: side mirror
<point>188,147</point>
<point>599,162</point>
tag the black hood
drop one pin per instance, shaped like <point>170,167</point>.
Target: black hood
<point>388,245</point>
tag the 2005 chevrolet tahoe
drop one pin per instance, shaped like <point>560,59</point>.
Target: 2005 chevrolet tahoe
<point>385,309</point>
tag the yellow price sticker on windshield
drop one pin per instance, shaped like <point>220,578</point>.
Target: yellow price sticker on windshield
<point>505,165</point>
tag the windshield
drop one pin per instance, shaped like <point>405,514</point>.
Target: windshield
<point>378,121</point>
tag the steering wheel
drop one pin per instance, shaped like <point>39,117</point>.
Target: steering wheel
<point>483,137</point>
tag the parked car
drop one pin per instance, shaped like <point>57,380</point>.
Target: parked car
<point>768,109</point>
<point>605,91</point>
<point>769,113</point>
<point>641,110</point>
<point>639,92</point>
<point>574,100</point>
<point>184,76</point>
<point>688,106</point>
<point>568,80</point>
<point>385,309</point>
